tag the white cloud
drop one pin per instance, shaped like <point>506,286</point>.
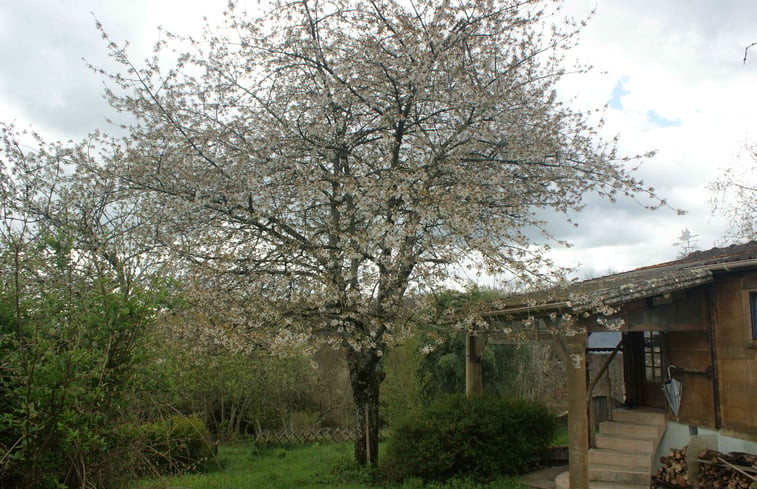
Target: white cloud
<point>673,75</point>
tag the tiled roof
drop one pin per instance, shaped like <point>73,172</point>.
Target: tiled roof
<point>715,256</point>
<point>695,269</point>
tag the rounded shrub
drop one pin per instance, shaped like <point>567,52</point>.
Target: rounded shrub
<point>479,437</point>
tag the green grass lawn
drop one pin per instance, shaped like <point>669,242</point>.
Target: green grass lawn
<point>307,467</point>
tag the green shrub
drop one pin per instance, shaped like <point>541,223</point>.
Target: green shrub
<point>480,437</point>
<point>170,445</point>
<point>68,363</point>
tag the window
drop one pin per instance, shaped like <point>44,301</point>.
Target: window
<point>753,309</point>
<point>653,362</point>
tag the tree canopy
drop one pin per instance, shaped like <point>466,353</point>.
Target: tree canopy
<point>323,160</point>
<point>734,194</point>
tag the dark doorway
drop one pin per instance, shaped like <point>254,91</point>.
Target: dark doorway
<point>644,363</point>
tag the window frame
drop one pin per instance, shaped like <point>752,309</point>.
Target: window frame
<point>654,357</point>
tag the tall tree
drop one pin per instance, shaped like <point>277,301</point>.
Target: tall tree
<point>330,156</point>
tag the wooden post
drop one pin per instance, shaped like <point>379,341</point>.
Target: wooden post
<point>474,381</point>
<point>578,424</point>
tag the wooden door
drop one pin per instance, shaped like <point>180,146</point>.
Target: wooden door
<point>644,364</point>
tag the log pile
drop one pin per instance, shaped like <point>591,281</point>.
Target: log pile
<point>673,472</point>
<point>726,471</point>
<point>716,471</point>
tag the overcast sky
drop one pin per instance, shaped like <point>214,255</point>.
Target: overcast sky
<point>671,73</point>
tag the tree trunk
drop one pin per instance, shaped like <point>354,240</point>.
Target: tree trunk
<point>366,375</point>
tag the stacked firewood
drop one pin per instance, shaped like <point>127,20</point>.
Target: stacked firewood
<point>727,471</point>
<point>717,471</point>
<point>673,472</point>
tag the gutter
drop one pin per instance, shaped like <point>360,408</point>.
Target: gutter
<point>726,267</point>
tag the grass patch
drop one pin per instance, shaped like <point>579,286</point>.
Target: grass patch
<point>561,437</point>
<point>308,467</point>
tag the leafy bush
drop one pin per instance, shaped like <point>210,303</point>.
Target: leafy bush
<point>169,446</point>
<point>479,437</point>
<point>68,366</point>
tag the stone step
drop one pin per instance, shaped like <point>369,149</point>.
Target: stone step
<point>617,473</point>
<point>562,482</point>
<point>628,430</point>
<point>636,445</point>
<point>625,449</point>
<point>640,416</point>
<point>623,458</point>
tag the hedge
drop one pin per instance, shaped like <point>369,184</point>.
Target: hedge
<point>479,437</point>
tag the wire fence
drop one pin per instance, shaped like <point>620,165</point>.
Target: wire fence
<point>302,437</point>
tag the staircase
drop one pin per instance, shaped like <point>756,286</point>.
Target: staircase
<point>625,450</point>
